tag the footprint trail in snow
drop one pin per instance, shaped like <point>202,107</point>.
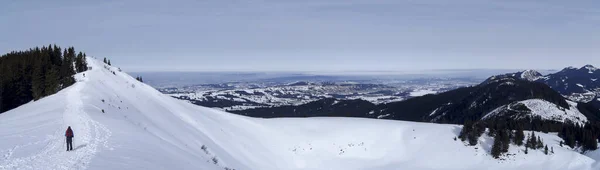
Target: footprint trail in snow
<point>90,136</point>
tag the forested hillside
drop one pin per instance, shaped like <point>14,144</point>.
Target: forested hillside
<point>37,72</point>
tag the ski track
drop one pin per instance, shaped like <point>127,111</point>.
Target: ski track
<point>89,135</point>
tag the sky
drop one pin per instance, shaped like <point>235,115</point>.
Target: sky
<point>312,35</point>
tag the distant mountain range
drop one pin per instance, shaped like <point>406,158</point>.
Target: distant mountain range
<point>570,94</point>
<point>569,81</point>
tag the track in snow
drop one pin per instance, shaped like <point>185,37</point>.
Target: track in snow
<point>89,135</point>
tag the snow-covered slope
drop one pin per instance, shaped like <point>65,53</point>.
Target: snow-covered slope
<point>529,75</point>
<point>120,123</point>
<point>539,108</point>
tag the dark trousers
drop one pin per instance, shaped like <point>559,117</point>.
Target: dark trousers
<point>69,143</point>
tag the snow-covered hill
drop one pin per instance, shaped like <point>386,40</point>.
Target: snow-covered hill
<point>120,123</point>
<point>539,108</point>
<point>529,75</point>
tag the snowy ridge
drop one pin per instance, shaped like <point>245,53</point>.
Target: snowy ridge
<point>530,75</point>
<point>53,156</point>
<point>541,108</point>
<point>120,123</point>
<point>591,69</point>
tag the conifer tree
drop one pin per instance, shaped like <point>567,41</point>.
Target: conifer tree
<point>519,136</point>
<point>533,143</point>
<point>84,62</point>
<point>1,94</point>
<point>466,129</point>
<point>529,142</point>
<point>52,81</point>
<point>38,82</point>
<point>505,140</point>
<point>78,62</point>
<point>67,70</point>
<point>497,147</point>
<point>34,73</point>
<point>540,143</point>
<point>546,150</point>
<point>589,140</point>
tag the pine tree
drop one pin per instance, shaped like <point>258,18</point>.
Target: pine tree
<point>84,62</point>
<point>38,82</point>
<point>540,143</point>
<point>52,82</point>
<point>589,141</point>
<point>570,140</point>
<point>505,140</point>
<point>34,73</point>
<point>466,129</point>
<point>105,62</point>
<point>533,143</point>
<point>529,142</point>
<point>526,150</point>
<point>79,66</point>
<point>501,142</point>
<point>497,147</point>
<point>519,136</point>
<point>546,150</point>
<point>67,71</point>
<point>109,63</point>
<point>1,94</point>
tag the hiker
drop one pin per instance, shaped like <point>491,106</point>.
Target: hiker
<point>69,135</point>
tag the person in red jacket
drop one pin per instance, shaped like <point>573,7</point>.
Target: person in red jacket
<point>69,135</point>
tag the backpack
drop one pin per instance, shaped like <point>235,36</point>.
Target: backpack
<point>69,133</point>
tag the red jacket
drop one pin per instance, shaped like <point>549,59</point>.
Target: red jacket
<point>69,133</point>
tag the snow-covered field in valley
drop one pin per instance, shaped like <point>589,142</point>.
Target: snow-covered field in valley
<point>120,123</point>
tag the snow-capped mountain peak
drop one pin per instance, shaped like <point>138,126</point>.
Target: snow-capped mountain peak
<point>569,68</point>
<point>590,68</point>
<point>530,75</point>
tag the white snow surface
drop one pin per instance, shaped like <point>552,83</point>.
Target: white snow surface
<point>530,75</point>
<point>550,111</point>
<point>547,111</point>
<point>421,92</point>
<point>140,128</point>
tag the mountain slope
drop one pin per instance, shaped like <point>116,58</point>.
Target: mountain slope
<point>533,108</point>
<point>120,123</point>
<point>529,75</point>
<point>572,80</point>
<point>492,94</point>
<point>576,84</point>
<point>454,106</point>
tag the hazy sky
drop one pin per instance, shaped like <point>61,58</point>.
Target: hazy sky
<point>312,35</point>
